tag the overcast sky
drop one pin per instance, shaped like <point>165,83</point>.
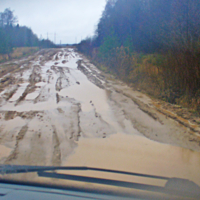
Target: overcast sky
<point>71,20</point>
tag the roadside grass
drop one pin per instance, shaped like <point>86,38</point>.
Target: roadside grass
<point>146,73</point>
<point>159,76</point>
<point>169,76</point>
<point>18,52</point>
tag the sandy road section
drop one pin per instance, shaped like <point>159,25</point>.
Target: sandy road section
<point>56,108</point>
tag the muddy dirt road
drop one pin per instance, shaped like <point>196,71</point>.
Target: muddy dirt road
<point>56,108</point>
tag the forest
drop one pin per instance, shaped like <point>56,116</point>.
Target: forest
<point>153,45</point>
<point>12,35</point>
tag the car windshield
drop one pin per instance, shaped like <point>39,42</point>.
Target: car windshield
<point>107,84</point>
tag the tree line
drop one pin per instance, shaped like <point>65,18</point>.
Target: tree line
<point>12,35</point>
<point>153,40</point>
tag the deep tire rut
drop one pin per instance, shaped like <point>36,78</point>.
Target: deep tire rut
<point>19,137</point>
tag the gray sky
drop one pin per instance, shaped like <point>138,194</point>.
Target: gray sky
<point>71,20</point>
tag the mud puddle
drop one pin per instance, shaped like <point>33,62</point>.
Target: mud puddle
<point>137,154</point>
<point>87,93</point>
<point>4,151</point>
<point>19,92</point>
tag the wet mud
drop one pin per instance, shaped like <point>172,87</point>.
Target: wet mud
<point>56,108</point>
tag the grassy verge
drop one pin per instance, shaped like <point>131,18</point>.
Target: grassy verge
<point>18,53</point>
<point>172,77</point>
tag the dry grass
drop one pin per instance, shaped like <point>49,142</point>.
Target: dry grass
<point>172,77</point>
<point>18,53</point>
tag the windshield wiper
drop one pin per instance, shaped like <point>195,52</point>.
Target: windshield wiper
<point>174,186</point>
<point>10,169</point>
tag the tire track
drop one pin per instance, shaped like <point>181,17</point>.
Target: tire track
<point>56,157</point>
<point>89,75</point>
<point>19,137</point>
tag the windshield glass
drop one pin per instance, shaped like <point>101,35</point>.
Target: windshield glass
<point>104,84</point>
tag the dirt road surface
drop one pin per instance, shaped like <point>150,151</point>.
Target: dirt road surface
<point>56,108</point>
